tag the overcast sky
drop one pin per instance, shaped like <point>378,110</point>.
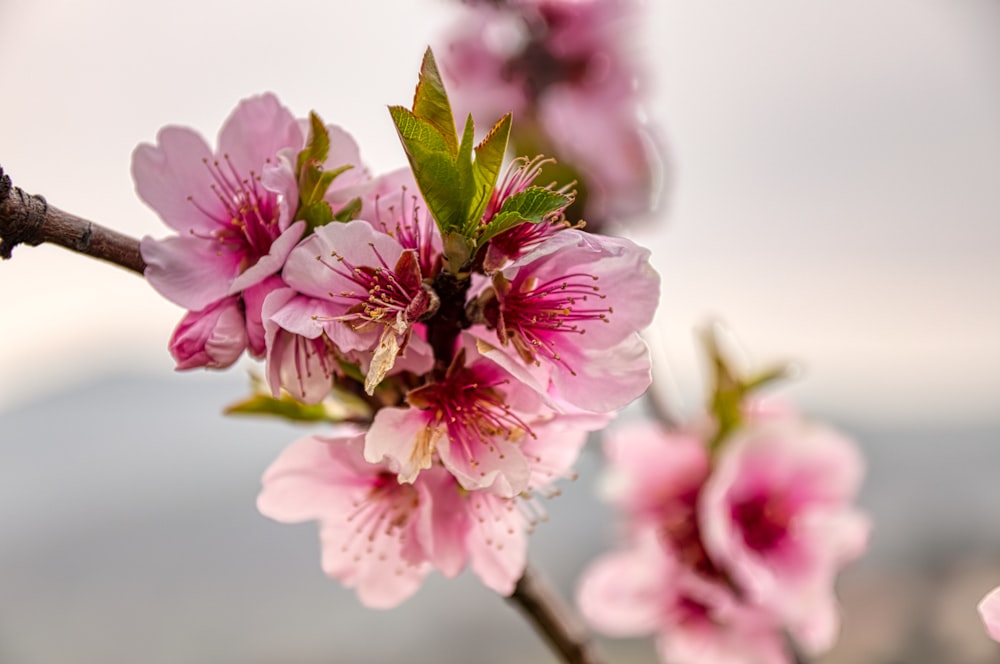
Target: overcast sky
<point>835,191</point>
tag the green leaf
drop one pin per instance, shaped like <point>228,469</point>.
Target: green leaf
<point>430,102</point>
<point>285,407</point>
<point>489,160</point>
<point>350,211</point>
<point>467,179</point>
<point>318,146</point>
<point>414,130</point>
<point>316,214</point>
<point>532,205</point>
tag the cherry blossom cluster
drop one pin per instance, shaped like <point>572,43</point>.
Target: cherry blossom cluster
<point>566,71</point>
<point>733,541</point>
<point>462,334</point>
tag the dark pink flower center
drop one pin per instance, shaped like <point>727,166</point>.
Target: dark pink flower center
<point>248,213</point>
<point>384,295</point>
<point>763,520</point>
<point>535,316</point>
<point>473,412</point>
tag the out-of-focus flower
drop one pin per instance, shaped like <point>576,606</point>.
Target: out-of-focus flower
<point>564,69</point>
<point>728,549</point>
<point>777,513</point>
<point>989,611</point>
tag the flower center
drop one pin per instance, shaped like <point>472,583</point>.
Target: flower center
<point>248,216</point>
<point>534,316</point>
<point>764,520</point>
<point>384,296</point>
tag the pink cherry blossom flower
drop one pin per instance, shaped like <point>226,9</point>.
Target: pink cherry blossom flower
<point>228,218</point>
<point>374,285</point>
<point>382,537</point>
<point>565,70</point>
<point>370,523</point>
<point>232,208</point>
<point>577,302</point>
<point>643,589</point>
<point>989,611</point>
<point>777,513</point>
<point>474,419</point>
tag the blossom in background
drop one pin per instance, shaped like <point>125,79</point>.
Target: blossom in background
<point>727,551</point>
<point>233,211</point>
<point>565,71</point>
<point>989,611</point>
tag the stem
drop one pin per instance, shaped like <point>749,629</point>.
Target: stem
<point>29,219</point>
<point>450,319</point>
<point>554,620</point>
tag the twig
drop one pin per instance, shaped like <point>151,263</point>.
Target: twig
<point>29,219</point>
<point>553,620</point>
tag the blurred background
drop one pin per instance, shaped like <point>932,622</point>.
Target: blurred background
<point>834,199</point>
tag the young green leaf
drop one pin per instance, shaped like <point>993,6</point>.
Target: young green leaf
<point>430,102</point>
<point>533,205</point>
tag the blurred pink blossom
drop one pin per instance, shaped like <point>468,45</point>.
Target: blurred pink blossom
<point>564,68</point>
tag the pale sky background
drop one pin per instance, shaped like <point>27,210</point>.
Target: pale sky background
<point>835,195</point>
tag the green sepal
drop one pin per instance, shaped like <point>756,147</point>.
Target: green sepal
<point>730,390</point>
<point>315,214</point>
<point>312,180</point>
<point>318,144</point>
<point>533,205</point>
<point>349,211</point>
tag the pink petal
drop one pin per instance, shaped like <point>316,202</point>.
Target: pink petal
<point>313,269</point>
<point>989,611</point>
<point>623,593</point>
<point>171,178</point>
<point>188,271</point>
<point>444,528</point>
<point>311,479</point>
<point>273,261</point>
<point>603,380</point>
<point>257,129</point>
<point>498,544</point>
<point>253,302</point>
<point>403,439</point>
<point>382,578</point>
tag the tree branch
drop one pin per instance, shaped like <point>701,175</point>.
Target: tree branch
<point>553,620</point>
<point>29,219</point>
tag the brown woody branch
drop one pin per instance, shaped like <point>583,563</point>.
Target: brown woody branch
<point>553,620</point>
<point>29,219</point>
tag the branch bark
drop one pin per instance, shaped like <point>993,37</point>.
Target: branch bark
<point>29,219</point>
<point>553,620</point>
